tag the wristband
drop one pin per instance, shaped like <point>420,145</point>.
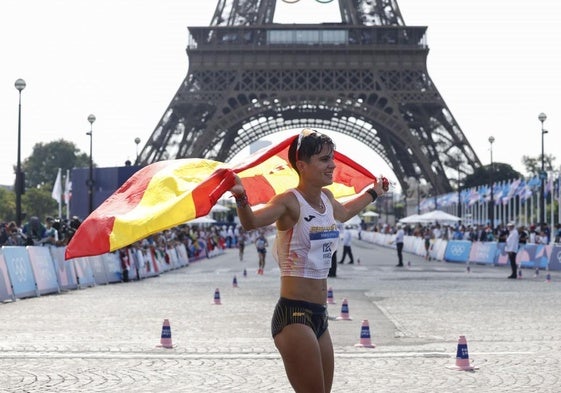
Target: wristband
<point>241,200</point>
<point>372,193</point>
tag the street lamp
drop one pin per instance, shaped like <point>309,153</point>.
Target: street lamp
<point>491,170</point>
<point>20,85</point>
<point>459,209</point>
<point>542,117</point>
<point>90,182</point>
<point>137,141</point>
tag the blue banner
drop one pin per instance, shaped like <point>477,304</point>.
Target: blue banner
<point>555,258</point>
<point>457,251</point>
<point>20,272</point>
<point>483,252</point>
<point>5,285</point>
<point>43,269</point>
<point>532,256</point>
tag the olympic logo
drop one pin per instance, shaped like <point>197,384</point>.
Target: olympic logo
<point>457,249</point>
<point>19,269</point>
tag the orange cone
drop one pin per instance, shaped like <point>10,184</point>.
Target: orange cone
<point>365,341</point>
<point>217,296</point>
<point>165,340</point>
<point>235,282</point>
<point>344,312</point>
<point>462,356</point>
<point>330,296</point>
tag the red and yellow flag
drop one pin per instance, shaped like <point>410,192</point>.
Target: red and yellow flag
<point>169,193</point>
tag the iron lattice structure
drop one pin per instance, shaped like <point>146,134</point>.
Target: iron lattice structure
<point>365,77</point>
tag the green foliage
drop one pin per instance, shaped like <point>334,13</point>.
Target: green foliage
<point>40,174</point>
<point>482,175</point>
<point>39,202</point>
<point>533,165</point>
<point>7,205</point>
<point>41,167</point>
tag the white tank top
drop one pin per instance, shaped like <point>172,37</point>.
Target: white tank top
<point>305,250</point>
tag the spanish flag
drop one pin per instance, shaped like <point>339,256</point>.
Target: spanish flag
<point>169,193</point>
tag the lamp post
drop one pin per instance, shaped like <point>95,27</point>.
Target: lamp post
<point>492,201</point>
<point>20,85</point>
<point>137,141</point>
<point>459,209</point>
<point>542,117</point>
<point>90,182</point>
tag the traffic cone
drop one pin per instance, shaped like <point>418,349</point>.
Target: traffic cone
<point>330,296</point>
<point>462,356</point>
<point>344,312</point>
<point>235,282</point>
<point>217,296</point>
<point>165,340</point>
<point>365,341</point>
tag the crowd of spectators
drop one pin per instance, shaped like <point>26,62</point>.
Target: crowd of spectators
<point>199,239</point>
<point>202,239</point>
<point>482,233</point>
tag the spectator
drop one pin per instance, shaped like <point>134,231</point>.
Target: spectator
<point>50,236</point>
<point>511,248</point>
<point>33,231</point>
<point>347,246</point>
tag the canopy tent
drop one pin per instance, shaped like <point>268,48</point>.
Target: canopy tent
<point>219,209</point>
<point>202,220</point>
<point>355,220</point>
<point>438,216</point>
<point>370,214</point>
<point>412,219</point>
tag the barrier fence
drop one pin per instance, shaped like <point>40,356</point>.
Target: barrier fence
<point>547,257</point>
<point>40,270</point>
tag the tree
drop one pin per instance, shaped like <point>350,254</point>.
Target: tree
<point>482,175</point>
<point>41,167</point>
<point>39,202</point>
<point>40,170</point>
<point>533,165</point>
<point>7,205</point>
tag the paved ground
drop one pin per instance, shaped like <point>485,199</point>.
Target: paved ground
<point>104,339</point>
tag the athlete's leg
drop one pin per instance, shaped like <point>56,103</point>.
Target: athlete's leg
<point>300,350</point>
<point>327,358</point>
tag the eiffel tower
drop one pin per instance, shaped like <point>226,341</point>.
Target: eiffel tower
<point>365,77</point>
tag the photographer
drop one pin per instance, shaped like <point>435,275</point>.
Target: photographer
<point>65,230</point>
<point>33,231</point>
<point>50,237</point>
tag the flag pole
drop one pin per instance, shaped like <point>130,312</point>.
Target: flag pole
<point>67,194</point>
<point>57,192</point>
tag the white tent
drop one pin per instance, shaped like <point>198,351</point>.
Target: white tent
<point>219,209</point>
<point>355,220</point>
<point>202,220</point>
<point>412,219</point>
<point>370,214</point>
<point>438,216</point>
